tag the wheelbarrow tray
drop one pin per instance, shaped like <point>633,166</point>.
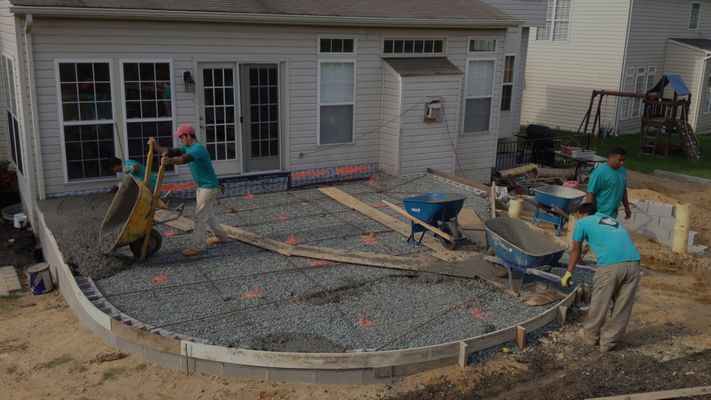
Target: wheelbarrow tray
<point>127,217</point>
<point>567,199</point>
<point>522,244</point>
<point>433,207</point>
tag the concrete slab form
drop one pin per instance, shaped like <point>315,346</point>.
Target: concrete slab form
<point>194,354</point>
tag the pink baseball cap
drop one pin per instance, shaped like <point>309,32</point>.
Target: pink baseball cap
<point>184,129</point>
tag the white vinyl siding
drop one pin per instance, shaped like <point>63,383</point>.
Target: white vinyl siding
<point>336,102</point>
<point>479,93</point>
<point>557,26</point>
<point>695,15</point>
<point>148,108</point>
<point>11,114</point>
<point>8,44</point>
<point>687,62</point>
<point>86,106</point>
<point>560,76</point>
<point>707,94</point>
<point>390,122</point>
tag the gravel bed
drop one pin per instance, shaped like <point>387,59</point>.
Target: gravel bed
<point>149,277</point>
<point>225,330</point>
<point>228,266</point>
<point>259,201</point>
<point>356,242</point>
<point>307,195</point>
<point>385,182</point>
<point>169,305</point>
<point>356,187</point>
<point>255,291</point>
<point>365,224</point>
<point>342,279</point>
<point>306,229</point>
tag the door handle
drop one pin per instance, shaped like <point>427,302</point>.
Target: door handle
<point>241,119</point>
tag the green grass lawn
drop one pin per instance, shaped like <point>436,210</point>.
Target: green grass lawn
<point>675,162</point>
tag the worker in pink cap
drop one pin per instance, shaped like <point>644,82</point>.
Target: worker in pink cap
<point>195,154</point>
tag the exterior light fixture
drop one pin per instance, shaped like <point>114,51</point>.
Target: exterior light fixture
<point>189,82</point>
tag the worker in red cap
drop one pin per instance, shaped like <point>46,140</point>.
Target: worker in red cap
<point>195,154</point>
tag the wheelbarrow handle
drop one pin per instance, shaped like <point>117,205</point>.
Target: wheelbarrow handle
<point>154,204</point>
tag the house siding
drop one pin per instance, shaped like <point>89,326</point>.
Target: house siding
<point>530,12</point>
<point>686,62</point>
<point>703,118</point>
<point>651,24</point>
<point>428,144</point>
<point>390,122</point>
<point>8,46</point>
<point>561,75</point>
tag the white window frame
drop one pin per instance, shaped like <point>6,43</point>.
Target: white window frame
<point>318,100</point>
<point>60,115</point>
<point>512,83</point>
<point>633,105</point>
<point>698,17</point>
<point>353,53</point>
<point>200,86</point>
<point>20,142</point>
<point>550,34</point>
<point>443,53</point>
<point>173,93</point>
<point>494,82</point>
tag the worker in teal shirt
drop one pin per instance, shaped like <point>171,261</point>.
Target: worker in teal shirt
<point>131,167</point>
<point>608,185</point>
<point>198,159</point>
<point>616,278</point>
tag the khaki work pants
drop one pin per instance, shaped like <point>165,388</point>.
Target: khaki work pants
<point>617,283</point>
<point>205,215</point>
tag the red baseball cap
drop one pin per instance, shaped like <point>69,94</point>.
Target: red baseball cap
<point>184,129</point>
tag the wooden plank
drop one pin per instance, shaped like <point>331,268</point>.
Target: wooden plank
<point>183,223</point>
<point>664,394</point>
<point>492,339</point>
<point>469,220</point>
<point>562,315</point>
<point>395,224</point>
<point>492,199</point>
<point>356,257</point>
<point>463,354</point>
<point>144,338</point>
<point>419,221</point>
<point>521,337</point>
<point>257,240</point>
<point>459,179</point>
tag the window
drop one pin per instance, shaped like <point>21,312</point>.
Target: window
<point>411,47</point>
<point>336,45</point>
<point>638,80</point>
<point>479,91</point>
<point>10,99</point>
<point>336,101</point>
<point>149,108</point>
<point>557,24</point>
<point>87,118</point>
<point>695,14</point>
<point>220,139</point>
<point>507,86</point>
<point>477,45</point>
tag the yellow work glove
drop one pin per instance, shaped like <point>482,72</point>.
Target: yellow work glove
<point>567,279</point>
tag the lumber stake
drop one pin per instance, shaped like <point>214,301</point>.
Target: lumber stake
<point>463,354</point>
<point>520,337</point>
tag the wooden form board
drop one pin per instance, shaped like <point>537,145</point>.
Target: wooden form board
<point>183,223</point>
<point>396,225</point>
<point>419,221</point>
<point>665,394</point>
<point>468,220</point>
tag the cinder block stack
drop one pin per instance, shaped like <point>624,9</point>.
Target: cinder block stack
<point>657,220</point>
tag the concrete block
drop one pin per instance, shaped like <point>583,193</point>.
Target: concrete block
<point>244,372</point>
<point>9,283</point>
<point>662,235</point>
<point>165,359</point>
<point>130,347</point>
<point>640,221</point>
<point>290,375</point>
<point>660,209</point>
<point>208,367</point>
<point>697,248</point>
<point>693,237</point>
<point>350,376</point>
<point>640,205</point>
<point>667,223</point>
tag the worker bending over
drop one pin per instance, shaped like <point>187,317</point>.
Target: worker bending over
<point>616,278</point>
<point>131,167</point>
<point>195,154</point>
<point>608,185</point>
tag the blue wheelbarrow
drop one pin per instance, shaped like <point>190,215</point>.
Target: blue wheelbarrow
<point>521,247</point>
<point>554,204</point>
<point>435,212</point>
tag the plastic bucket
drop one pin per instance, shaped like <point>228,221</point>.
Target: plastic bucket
<point>20,221</point>
<point>39,278</point>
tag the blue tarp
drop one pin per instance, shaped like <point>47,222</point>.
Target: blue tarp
<point>678,85</point>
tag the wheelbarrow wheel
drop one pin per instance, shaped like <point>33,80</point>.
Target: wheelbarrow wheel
<point>153,244</point>
<point>499,270</point>
<point>450,227</point>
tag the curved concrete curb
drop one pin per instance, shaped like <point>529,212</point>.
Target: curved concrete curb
<point>190,355</point>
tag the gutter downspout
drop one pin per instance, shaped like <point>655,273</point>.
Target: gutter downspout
<point>33,105</point>
<point>621,88</point>
<point>697,102</point>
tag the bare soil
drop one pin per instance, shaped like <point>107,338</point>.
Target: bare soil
<point>45,351</point>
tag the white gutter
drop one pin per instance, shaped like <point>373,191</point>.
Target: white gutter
<point>33,105</point>
<point>621,88</point>
<point>697,102</point>
<point>201,16</point>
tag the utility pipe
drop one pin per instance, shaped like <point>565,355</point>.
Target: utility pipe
<point>33,106</point>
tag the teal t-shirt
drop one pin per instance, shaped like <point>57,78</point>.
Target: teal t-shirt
<point>607,238</point>
<point>141,173</point>
<point>608,185</point>
<point>201,166</point>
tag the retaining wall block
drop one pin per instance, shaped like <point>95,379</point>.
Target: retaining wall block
<point>663,235</point>
<point>693,237</point>
<point>641,205</point>
<point>640,221</point>
<point>660,209</point>
<point>667,223</point>
<point>697,248</point>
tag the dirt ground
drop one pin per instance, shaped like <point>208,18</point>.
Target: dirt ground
<point>45,351</point>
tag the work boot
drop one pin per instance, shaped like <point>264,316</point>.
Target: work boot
<point>193,251</point>
<point>213,240</point>
<point>588,341</point>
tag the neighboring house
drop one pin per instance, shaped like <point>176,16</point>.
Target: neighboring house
<point>301,89</point>
<point>619,45</point>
